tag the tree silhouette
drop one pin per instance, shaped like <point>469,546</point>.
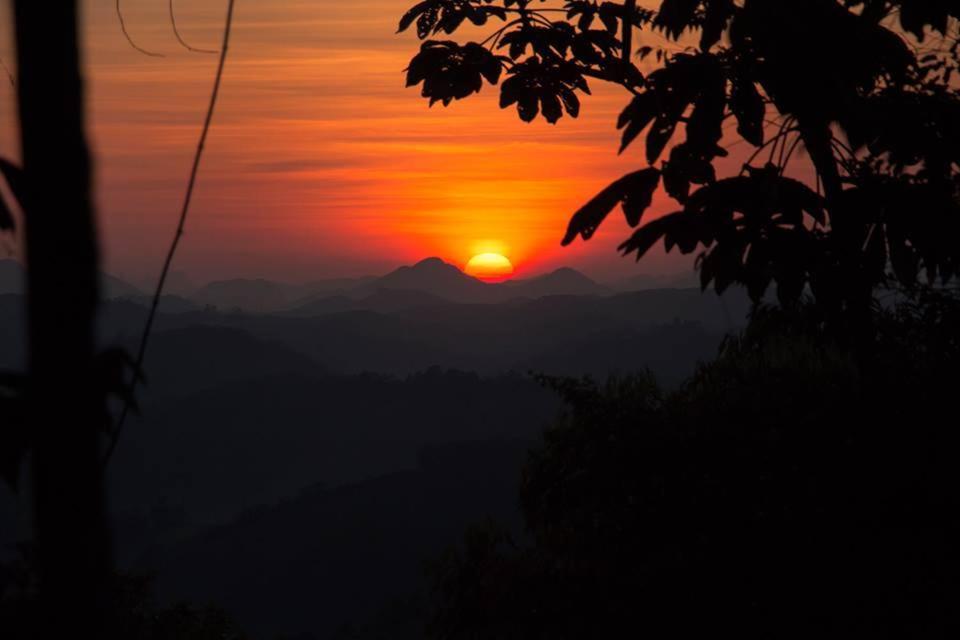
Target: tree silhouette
<point>863,86</point>
<point>59,409</point>
<point>58,412</point>
<point>788,489</point>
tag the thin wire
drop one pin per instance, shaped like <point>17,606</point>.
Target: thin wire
<point>176,32</point>
<point>6,69</point>
<point>126,34</point>
<point>188,197</point>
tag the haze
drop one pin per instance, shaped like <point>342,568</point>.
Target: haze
<point>320,163</point>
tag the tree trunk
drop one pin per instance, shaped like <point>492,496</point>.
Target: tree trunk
<point>67,406</point>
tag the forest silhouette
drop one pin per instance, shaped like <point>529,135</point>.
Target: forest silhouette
<point>800,482</point>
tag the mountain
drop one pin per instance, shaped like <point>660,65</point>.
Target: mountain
<point>427,282</point>
<point>562,282</point>
<point>380,301</point>
<point>248,294</point>
<point>645,281</point>
<point>330,561</point>
<point>439,278</point>
<point>13,280</point>
<point>266,296</point>
<point>211,448</point>
<point>669,330</point>
<point>443,280</point>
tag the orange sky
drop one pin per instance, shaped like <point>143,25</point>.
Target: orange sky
<point>320,162</point>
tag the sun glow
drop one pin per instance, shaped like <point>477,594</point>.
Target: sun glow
<point>489,266</point>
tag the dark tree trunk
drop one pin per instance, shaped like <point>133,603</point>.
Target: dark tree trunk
<point>67,407</point>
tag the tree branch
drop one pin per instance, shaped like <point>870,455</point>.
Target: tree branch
<point>188,197</point>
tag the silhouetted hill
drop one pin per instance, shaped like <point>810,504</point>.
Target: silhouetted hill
<point>413,331</point>
<point>381,301</point>
<point>330,559</point>
<point>267,296</point>
<point>252,295</point>
<point>562,282</point>
<point>436,277</point>
<point>429,277</point>
<point>643,282</point>
<point>168,303</point>
<point>215,356</point>
<point>13,281</point>
<point>230,420</point>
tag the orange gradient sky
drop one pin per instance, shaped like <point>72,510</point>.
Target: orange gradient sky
<point>320,162</point>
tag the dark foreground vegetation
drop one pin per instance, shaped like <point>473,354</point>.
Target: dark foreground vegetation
<point>791,488</point>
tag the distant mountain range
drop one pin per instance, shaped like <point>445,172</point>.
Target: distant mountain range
<point>426,283</point>
<point>13,280</point>
<point>257,389</point>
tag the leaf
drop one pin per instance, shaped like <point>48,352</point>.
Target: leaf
<point>634,119</point>
<point>723,265</point>
<point>634,190</point>
<point>748,108</point>
<point>450,71</point>
<point>649,234</point>
<point>412,15</point>
<point>528,106</point>
<point>716,17</point>
<point>686,166</point>
<point>547,88</point>
<point>550,107</point>
<point>705,127</point>
<point>638,194</point>
<point>658,137</point>
<point>676,16</point>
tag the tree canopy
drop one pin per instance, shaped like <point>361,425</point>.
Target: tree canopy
<point>865,87</point>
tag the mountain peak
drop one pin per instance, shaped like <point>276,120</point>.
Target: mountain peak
<point>566,272</point>
<point>433,264</point>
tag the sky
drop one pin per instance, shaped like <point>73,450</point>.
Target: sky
<point>321,163</point>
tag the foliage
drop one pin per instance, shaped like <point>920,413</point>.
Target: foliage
<point>113,368</point>
<point>133,612</point>
<point>865,87</point>
<point>791,488</point>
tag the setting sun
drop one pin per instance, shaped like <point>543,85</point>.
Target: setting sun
<point>489,266</point>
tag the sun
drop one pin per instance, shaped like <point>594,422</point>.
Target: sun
<point>489,266</point>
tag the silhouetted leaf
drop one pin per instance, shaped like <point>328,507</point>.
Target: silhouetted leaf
<point>686,166</point>
<point>415,12</point>
<point>450,72</point>
<point>634,191</point>
<point>676,16</point>
<point>649,234</point>
<point>716,17</point>
<point>683,81</point>
<point>748,108</point>
<point>915,16</point>
<point>638,194</point>
<point>705,125</point>
<point>634,119</point>
<point>434,16</point>
<point>542,87</point>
